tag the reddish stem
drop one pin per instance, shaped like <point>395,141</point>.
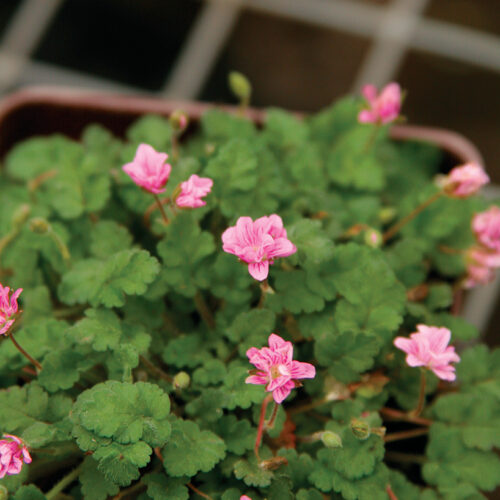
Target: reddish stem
<point>260,428</point>
<point>162,210</point>
<point>197,491</point>
<point>153,207</point>
<point>421,397</point>
<point>24,353</point>
<point>270,422</point>
<point>393,414</point>
<point>397,436</point>
<point>390,493</point>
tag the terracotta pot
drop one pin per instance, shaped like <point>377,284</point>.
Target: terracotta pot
<point>47,110</point>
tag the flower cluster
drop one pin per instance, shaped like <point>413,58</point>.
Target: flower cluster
<point>149,171</point>
<point>428,347</point>
<point>8,308</point>
<point>483,258</point>
<point>276,368</point>
<point>258,243</point>
<point>382,108</point>
<point>13,452</point>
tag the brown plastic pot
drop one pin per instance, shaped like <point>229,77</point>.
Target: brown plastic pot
<point>47,110</point>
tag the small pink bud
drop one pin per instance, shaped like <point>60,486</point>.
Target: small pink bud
<point>13,452</point>
<point>481,263</point>
<point>8,308</point>
<point>276,369</point>
<point>465,180</point>
<point>382,108</point>
<point>192,191</point>
<point>245,497</point>
<point>429,347</point>
<point>148,169</point>
<point>486,226</point>
<point>258,243</point>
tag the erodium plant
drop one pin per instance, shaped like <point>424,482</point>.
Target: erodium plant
<point>270,315</point>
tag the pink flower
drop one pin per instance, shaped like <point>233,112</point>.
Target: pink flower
<point>258,243</point>
<point>276,369</point>
<point>429,347</point>
<point>382,108</point>
<point>193,190</point>
<point>480,264</point>
<point>8,308</point>
<point>245,497</point>
<point>465,180</point>
<point>486,226</point>
<point>12,454</point>
<point>148,169</point>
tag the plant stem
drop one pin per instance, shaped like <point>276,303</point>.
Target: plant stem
<point>421,397</point>
<point>197,491</point>
<point>132,489</point>
<point>390,493</point>
<point>371,140</point>
<point>260,428</point>
<point>396,456</point>
<point>162,210</point>
<point>408,218</point>
<point>412,433</point>
<point>61,246</point>
<point>393,414</point>
<point>308,406</point>
<point>270,423</point>
<point>155,370</point>
<point>204,310</point>
<point>63,483</point>
<point>24,353</point>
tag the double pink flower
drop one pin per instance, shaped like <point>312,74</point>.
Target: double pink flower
<point>192,192</point>
<point>13,452</point>
<point>8,307</point>
<point>465,180</point>
<point>486,227</point>
<point>382,108</point>
<point>428,347</point>
<point>258,243</point>
<point>276,368</point>
<point>148,169</point>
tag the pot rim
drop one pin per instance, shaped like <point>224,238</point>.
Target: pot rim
<point>452,142</point>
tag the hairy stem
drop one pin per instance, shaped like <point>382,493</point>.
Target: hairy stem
<point>392,414</point>
<point>155,370</point>
<point>162,210</point>
<point>396,456</point>
<point>270,423</point>
<point>412,433</point>
<point>421,397</point>
<point>198,492</point>
<point>204,310</point>
<point>260,428</point>
<point>32,360</point>
<point>408,218</point>
<point>63,483</point>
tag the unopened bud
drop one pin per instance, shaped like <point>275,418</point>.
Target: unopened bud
<point>4,492</point>
<point>360,428</point>
<point>373,238</point>
<point>21,215</point>
<point>331,439</point>
<point>39,225</point>
<point>179,121</point>
<point>240,85</point>
<point>387,214</point>
<point>182,380</point>
<point>273,463</point>
<point>379,431</point>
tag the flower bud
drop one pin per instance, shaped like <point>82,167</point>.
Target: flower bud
<point>373,238</point>
<point>182,380</point>
<point>386,214</point>
<point>360,428</point>
<point>179,121</point>
<point>240,85</point>
<point>331,439</point>
<point>39,225</point>
<point>21,214</point>
<point>4,493</point>
<point>273,463</point>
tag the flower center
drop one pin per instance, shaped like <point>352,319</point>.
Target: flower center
<point>279,371</point>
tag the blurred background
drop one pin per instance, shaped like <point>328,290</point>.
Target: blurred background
<point>299,54</point>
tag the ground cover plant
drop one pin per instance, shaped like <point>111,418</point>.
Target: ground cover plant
<point>266,313</point>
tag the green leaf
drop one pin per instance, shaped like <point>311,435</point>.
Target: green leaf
<point>251,328</point>
<point>373,298</point>
<point>237,434</point>
<point>240,394</point>
<point>184,250</point>
<point>151,129</point>
<point>185,350</point>
<point>161,487</point>
<point>346,355</point>
<point>62,368</point>
<point>212,372</point>
<point>476,418</point>
<point>139,411</point>
<point>95,486</point>
<point>251,473</point>
<point>284,131</point>
<point>101,328</point>
<point>313,244</point>
<point>191,450</point>
<point>450,463</point>
<point>106,282</point>
<point>29,492</point>
<point>108,237</point>
<point>218,125</point>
